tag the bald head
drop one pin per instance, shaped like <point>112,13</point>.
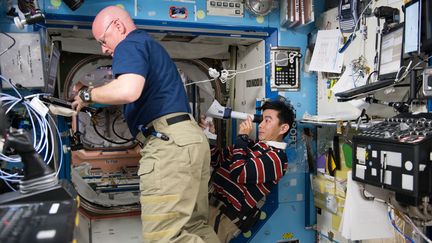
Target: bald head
<point>106,15</point>
<point>112,23</point>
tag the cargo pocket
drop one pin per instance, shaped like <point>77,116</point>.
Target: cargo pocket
<point>184,142</point>
<point>187,139</point>
<point>149,180</point>
<point>181,163</point>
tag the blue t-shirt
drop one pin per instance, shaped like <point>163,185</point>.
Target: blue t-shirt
<point>163,91</point>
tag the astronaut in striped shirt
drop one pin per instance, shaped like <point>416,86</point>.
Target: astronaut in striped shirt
<point>246,172</point>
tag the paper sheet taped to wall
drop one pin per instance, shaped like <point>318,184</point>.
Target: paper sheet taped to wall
<point>326,57</point>
<point>363,220</point>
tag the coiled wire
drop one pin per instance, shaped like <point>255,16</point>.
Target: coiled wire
<point>42,134</point>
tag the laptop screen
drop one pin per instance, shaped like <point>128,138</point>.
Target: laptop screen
<point>391,53</point>
<point>412,27</point>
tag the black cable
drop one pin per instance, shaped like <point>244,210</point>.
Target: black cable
<point>370,74</point>
<point>115,133</point>
<point>417,90</point>
<point>105,138</point>
<point>401,107</point>
<point>7,49</point>
<point>407,71</point>
<point>419,83</point>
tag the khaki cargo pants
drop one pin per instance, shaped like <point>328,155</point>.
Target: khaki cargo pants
<point>174,179</point>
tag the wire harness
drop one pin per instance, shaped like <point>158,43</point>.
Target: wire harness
<point>43,131</point>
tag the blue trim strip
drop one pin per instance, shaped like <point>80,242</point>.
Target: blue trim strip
<point>234,131</point>
<point>307,192</point>
<point>65,170</point>
<point>250,31</point>
<point>272,40</point>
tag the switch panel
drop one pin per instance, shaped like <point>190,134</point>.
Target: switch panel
<point>230,8</point>
<point>395,155</point>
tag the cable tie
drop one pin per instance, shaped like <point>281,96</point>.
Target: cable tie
<point>224,76</point>
<point>213,73</point>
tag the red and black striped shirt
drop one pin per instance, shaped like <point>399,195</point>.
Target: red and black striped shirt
<point>244,176</point>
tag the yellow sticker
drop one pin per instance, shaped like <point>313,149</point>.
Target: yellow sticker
<point>56,3</point>
<point>260,19</point>
<point>263,215</point>
<point>247,234</point>
<point>121,6</point>
<point>200,14</point>
<point>78,201</point>
<point>76,219</point>
<point>288,235</point>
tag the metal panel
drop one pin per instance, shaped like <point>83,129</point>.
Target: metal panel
<point>250,85</point>
<point>23,63</point>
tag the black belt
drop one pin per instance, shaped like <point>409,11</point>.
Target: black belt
<point>177,119</point>
<point>170,121</point>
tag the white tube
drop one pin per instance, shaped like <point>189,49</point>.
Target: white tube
<point>216,110</point>
<point>241,115</point>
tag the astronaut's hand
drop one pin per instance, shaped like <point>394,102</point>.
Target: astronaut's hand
<point>207,123</point>
<point>246,126</point>
<point>78,103</point>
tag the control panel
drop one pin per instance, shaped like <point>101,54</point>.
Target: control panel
<point>231,8</point>
<point>285,68</point>
<point>396,155</point>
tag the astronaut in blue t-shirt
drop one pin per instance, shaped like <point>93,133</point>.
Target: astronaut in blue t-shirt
<point>174,168</point>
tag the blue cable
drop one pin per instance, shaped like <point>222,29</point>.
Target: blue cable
<point>328,238</point>
<point>397,229</point>
<point>347,43</point>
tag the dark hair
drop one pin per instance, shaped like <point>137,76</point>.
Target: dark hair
<point>285,111</point>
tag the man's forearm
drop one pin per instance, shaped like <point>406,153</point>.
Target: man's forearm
<point>125,89</point>
<point>109,94</point>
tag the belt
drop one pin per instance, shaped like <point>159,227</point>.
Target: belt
<point>170,121</point>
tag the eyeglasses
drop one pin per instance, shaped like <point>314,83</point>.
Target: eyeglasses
<point>101,40</point>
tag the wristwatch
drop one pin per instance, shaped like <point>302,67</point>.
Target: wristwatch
<point>85,95</point>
